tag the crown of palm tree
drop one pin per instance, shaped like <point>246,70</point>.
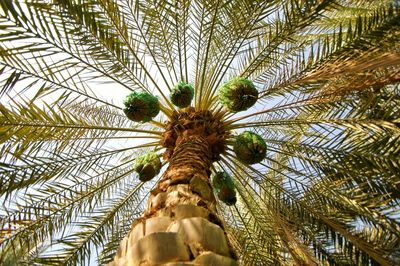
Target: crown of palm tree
<point>326,73</point>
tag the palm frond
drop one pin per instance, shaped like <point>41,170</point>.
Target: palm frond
<point>366,58</point>
<point>59,205</point>
<point>94,228</point>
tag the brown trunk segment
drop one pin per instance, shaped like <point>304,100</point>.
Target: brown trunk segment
<point>180,225</point>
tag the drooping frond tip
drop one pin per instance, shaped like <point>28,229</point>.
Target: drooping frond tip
<point>141,106</point>
<point>224,188</point>
<point>182,94</point>
<point>250,148</point>
<point>147,166</point>
<point>238,94</point>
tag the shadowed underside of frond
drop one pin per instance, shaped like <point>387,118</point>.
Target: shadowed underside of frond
<point>327,76</point>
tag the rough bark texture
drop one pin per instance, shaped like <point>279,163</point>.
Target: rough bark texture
<point>180,225</point>
<point>191,122</point>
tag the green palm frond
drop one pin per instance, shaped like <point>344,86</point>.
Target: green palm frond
<point>77,246</point>
<point>363,45</point>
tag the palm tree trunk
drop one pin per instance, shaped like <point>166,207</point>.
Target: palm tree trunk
<point>180,225</point>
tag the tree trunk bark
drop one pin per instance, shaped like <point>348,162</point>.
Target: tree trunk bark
<point>180,225</point>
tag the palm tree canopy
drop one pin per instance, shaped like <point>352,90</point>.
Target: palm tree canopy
<point>325,74</point>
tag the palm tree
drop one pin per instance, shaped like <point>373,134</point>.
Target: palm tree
<point>287,154</point>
